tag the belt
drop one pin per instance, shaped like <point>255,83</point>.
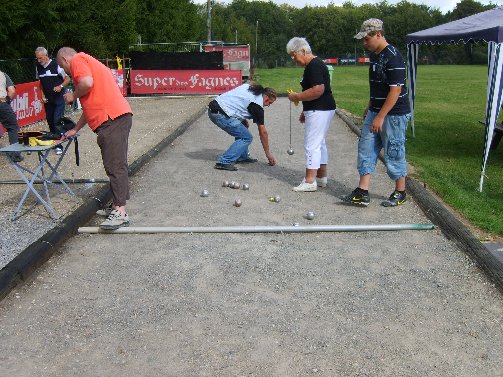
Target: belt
<point>215,108</point>
<point>217,112</point>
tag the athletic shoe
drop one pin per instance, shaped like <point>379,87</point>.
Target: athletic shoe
<point>357,197</point>
<point>322,182</point>
<point>306,187</point>
<point>221,166</point>
<point>395,199</point>
<point>248,160</point>
<point>115,220</point>
<point>16,157</point>
<point>105,212</point>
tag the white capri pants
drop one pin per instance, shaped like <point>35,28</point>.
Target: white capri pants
<point>317,123</point>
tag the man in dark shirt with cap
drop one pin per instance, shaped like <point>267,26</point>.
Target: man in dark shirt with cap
<point>386,117</point>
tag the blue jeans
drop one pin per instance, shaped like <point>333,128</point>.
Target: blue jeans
<point>391,138</point>
<point>243,138</point>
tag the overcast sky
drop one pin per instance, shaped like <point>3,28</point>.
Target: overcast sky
<point>443,5</point>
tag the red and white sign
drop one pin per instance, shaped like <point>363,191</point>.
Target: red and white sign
<point>231,54</point>
<point>183,81</point>
<point>331,61</point>
<point>27,104</point>
<point>119,78</point>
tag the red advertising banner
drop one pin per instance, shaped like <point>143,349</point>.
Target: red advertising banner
<point>183,81</point>
<point>231,54</point>
<point>27,104</point>
<point>331,61</point>
<point>120,79</point>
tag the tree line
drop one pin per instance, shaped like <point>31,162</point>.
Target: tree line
<point>106,28</point>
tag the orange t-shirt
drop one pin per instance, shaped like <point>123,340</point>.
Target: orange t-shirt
<point>104,100</point>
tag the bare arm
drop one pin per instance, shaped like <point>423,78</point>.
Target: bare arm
<point>308,95</point>
<point>65,83</point>
<point>83,87</point>
<point>264,139</point>
<point>80,123</point>
<point>11,92</point>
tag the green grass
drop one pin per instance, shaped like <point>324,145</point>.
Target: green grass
<point>447,150</point>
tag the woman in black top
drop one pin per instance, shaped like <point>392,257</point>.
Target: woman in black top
<point>317,113</point>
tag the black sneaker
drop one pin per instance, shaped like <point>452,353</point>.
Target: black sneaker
<point>395,199</point>
<point>229,167</point>
<point>357,197</point>
<point>248,160</point>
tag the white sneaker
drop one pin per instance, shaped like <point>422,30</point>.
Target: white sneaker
<point>322,182</point>
<point>115,220</point>
<point>105,212</point>
<point>306,187</point>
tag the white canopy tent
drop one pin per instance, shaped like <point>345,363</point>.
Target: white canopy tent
<point>485,26</point>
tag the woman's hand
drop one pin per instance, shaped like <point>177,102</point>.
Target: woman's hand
<point>271,159</point>
<point>293,97</point>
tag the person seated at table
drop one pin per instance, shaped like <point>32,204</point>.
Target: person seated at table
<point>7,115</point>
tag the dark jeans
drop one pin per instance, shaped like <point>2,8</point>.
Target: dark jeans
<point>113,141</point>
<point>53,112</point>
<point>9,121</point>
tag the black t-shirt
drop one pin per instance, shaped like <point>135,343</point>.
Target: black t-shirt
<point>388,69</point>
<point>257,113</point>
<point>316,73</point>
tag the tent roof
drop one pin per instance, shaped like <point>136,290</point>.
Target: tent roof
<point>486,26</point>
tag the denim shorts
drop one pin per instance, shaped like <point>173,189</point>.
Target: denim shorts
<point>391,139</point>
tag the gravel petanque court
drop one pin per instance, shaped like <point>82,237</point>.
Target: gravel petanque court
<point>395,303</point>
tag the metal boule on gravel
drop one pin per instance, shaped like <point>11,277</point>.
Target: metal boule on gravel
<point>290,151</point>
<point>204,193</point>
<point>237,185</point>
<point>225,184</point>
<point>309,215</point>
<point>237,203</point>
<point>275,199</point>
<point>246,186</point>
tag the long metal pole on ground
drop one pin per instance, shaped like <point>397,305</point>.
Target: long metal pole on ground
<point>258,229</point>
<point>67,180</point>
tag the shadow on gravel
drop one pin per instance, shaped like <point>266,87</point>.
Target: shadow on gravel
<point>205,154</point>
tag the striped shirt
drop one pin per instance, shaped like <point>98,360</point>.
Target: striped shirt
<point>388,69</point>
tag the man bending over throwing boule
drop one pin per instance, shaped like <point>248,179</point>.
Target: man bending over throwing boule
<point>230,112</point>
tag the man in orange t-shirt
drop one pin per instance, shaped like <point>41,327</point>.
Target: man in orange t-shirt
<point>109,115</point>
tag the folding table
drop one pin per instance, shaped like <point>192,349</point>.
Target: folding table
<point>29,176</point>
